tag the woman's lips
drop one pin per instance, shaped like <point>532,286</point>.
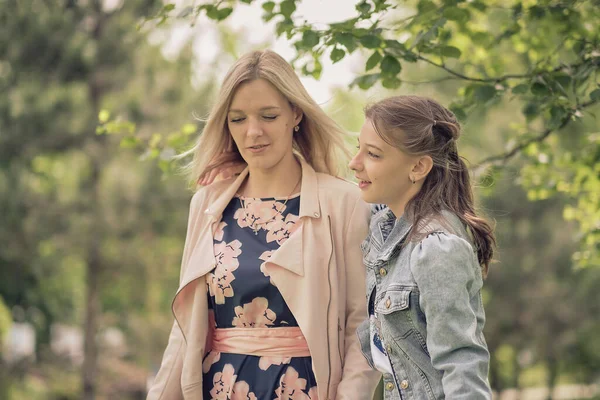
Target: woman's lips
<point>259,148</point>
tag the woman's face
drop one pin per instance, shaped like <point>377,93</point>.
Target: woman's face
<point>383,171</point>
<point>261,122</point>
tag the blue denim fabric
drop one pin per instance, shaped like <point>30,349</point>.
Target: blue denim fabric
<point>427,293</point>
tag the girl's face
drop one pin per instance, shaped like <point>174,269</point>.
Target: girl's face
<point>383,171</point>
<point>261,122</point>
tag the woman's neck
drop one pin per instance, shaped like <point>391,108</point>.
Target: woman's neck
<point>282,181</point>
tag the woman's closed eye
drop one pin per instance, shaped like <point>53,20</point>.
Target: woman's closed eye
<point>373,155</point>
<point>270,117</point>
<point>236,119</point>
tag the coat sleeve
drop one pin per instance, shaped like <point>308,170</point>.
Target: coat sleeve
<point>167,383</point>
<point>449,279</point>
<point>358,379</point>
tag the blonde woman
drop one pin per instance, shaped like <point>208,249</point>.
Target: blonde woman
<point>269,296</point>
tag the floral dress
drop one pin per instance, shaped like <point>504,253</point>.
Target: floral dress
<point>241,294</point>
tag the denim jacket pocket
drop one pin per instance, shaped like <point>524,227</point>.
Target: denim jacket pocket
<point>394,300</point>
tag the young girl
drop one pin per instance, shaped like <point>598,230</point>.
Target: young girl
<point>267,306</point>
<point>426,254</point>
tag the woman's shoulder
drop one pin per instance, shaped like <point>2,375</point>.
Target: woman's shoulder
<point>330,184</point>
<point>209,193</point>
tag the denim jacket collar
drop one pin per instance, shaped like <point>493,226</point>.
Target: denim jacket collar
<point>389,233</point>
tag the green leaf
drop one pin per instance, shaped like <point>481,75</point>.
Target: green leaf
<point>269,6</point>
<point>520,89</point>
<point>373,60</point>
<point>459,112</point>
<point>363,7</point>
<point>223,13</point>
<point>310,39</point>
<point>167,8</point>
<point>390,66</point>
<point>450,51</point>
<point>337,55</point>
<point>484,92</point>
<point>284,26</point>
<point>539,89</point>
<point>287,8</point>
<point>531,110</point>
<point>103,116</point>
<point>456,14</point>
<point>391,82</point>
<point>425,6</point>
<point>366,81</point>
<point>370,41</point>
<point>360,32</point>
<point>346,40</point>
<point>595,95</point>
<point>130,142</point>
<point>479,5</point>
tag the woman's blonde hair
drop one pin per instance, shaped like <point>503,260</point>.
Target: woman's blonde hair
<point>320,141</point>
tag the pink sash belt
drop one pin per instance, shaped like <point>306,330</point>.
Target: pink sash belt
<point>269,342</point>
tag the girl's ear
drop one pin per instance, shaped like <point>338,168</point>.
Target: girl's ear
<point>422,167</point>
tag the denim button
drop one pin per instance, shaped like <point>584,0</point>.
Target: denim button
<point>388,348</point>
<point>389,386</point>
<point>404,384</point>
<point>382,272</point>
<point>388,303</point>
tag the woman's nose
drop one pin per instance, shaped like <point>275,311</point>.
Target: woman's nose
<point>254,128</point>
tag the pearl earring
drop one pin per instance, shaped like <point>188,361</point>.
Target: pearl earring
<point>296,128</point>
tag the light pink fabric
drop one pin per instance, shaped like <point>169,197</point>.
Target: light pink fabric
<point>262,342</point>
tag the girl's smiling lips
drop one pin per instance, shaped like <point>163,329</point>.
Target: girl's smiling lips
<point>362,183</point>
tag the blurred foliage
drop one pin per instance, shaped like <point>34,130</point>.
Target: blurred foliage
<point>544,54</point>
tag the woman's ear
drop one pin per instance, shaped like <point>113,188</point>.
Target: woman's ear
<point>298,114</point>
<point>422,167</point>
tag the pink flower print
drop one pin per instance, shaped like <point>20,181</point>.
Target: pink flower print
<point>265,257</point>
<point>242,217</point>
<point>223,383</point>
<point>210,359</point>
<point>254,315</point>
<point>241,391</point>
<point>291,386</point>
<point>220,279</point>
<point>313,393</point>
<point>265,362</point>
<point>256,213</point>
<point>280,230</point>
<point>218,235</point>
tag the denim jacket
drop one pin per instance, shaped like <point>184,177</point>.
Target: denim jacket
<point>427,297</point>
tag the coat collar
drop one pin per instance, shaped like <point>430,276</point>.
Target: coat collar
<point>309,195</point>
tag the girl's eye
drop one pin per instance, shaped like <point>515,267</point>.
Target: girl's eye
<point>373,155</point>
<point>270,117</point>
<point>234,120</point>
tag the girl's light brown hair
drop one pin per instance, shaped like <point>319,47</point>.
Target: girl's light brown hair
<point>421,126</point>
<point>320,141</point>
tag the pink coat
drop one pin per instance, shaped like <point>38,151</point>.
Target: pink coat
<point>318,270</point>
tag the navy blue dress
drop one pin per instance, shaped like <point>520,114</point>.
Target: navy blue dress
<point>241,294</point>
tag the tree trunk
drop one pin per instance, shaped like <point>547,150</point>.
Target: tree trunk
<point>552,365</point>
<point>95,232</point>
<point>91,320</point>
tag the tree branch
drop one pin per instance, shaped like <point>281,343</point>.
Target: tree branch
<point>496,79</point>
<point>503,158</point>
